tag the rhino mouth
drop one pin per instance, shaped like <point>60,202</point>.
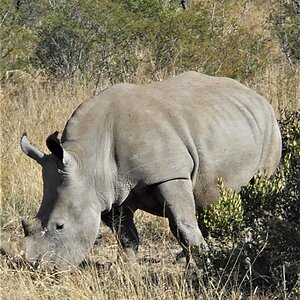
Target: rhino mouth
<point>14,255</point>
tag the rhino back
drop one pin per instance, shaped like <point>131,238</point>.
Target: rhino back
<point>190,126</point>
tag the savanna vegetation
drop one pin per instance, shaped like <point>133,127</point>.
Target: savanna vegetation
<point>54,54</point>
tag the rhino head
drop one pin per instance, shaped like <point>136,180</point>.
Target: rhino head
<point>67,222</point>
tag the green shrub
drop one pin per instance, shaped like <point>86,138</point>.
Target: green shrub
<point>17,40</point>
<point>127,40</point>
<point>286,26</point>
<point>225,217</point>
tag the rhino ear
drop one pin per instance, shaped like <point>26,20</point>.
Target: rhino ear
<point>30,150</point>
<point>54,145</point>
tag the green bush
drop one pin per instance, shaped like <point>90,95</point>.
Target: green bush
<point>17,40</point>
<point>127,40</point>
<point>226,216</point>
<point>286,26</point>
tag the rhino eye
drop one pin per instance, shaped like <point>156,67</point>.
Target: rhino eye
<point>59,226</point>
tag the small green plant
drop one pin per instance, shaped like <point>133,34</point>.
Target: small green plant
<point>225,217</point>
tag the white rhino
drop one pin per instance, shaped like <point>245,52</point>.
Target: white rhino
<point>159,147</point>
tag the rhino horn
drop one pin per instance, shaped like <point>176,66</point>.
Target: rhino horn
<point>30,226</point>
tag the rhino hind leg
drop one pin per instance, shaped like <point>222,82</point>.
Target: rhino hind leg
<point>120,221</point>
<point>179,205</point>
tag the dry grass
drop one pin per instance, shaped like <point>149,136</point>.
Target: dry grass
<point>280,84</point>
<point>33,105</point>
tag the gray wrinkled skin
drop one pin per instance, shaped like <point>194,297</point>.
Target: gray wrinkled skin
<point>159,147</point>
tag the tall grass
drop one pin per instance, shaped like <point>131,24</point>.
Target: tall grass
<point>280,84</point>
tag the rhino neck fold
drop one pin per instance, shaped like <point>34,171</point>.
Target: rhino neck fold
<point>95,162</point>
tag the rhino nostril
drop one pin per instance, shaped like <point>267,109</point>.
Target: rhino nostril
<point>59,226</point>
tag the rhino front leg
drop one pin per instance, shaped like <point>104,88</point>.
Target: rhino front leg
<point>178,200</point>
<point>120,221</point>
